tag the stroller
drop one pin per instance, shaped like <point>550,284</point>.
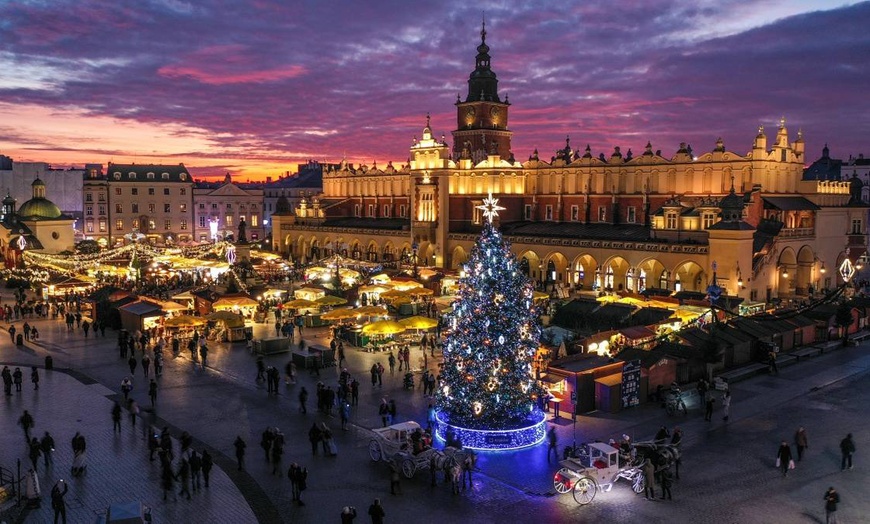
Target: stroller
<point>408,382</point>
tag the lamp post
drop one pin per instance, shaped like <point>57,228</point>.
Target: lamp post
<point>415,271</point>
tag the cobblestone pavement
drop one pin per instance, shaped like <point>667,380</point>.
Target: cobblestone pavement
<point>727,474</point>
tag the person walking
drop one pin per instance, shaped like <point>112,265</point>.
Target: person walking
<point>7,381</point>
<point>195,470</point>
<point>132,362</point>
<point>783,458</point>
<point>552,444</point>
<point>34,451</point>
<point>47,445</point>
<point>17,378</point>
<point>34,378</point>
<point>832,498</point>
<point>847,449</point>
<point>240,446</point>
<point>167,479</point>
<point>348,513</point>
<point>303,399</point>
<point>649,475</point>
<point>152,392</point>
<point>666,479</point>
<point>183,476</point>
<point>708,412</point>
<point>376,512</point>
<point>344,413</point>
<point>207,463</point>
<point>57,503</point>
<point>392,362</point>
<point>133,408</point>
<point>771,362</point>
<point>314,436</point>
<point>146,364</point>
<point>726,405</point>
<point>801,442</point>
<point>126,387</point>
<point>26,422</point>
<point>384,412</point>
<point>395,479</point>
<point>116,418</point>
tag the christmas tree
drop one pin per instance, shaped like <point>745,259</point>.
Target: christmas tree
<point>493,335</point>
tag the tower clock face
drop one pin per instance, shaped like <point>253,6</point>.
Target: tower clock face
<point>469,113</point>
<point>494,112</point>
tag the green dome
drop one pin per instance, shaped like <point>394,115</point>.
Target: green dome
<point>39,208</point>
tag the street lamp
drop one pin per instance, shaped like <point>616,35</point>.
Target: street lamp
<point>414,248</point>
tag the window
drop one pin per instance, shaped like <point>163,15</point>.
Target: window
<point>167,224</point>
<point>476,213</point>
<point>856,226</point>
<point>203,238</point>
<point>184,225</point>
<point>167,208</point>
<point>151,208</point>
<point>548,212</point>
<point>150,176</point>
<point>631,216</point>
<point>152,225</point>
<point>119,225</point>
<point>183,208</point>
<point>229,220</point>
<point>118,191</point>
<point>255,221</point>
<point>183,191</point>
<point>101,197</point>
<point>371,210</point>
<point>708,219</point>
<point>202,221</point>
<point>117,176</point>
<point>103,226</point>
<point>89,210</point>
<point>253,207</point>
<point>671,220</point>
<point>575,213</point>
<point>150,190</point>
<point>164,176</point>
<point>402,210</point>
<point>89,226</point>
<point>134,208</point>
<point>131,175</point>
<point>242,207</point>
<point>214,206</point>
<point>166,191</point>
<point>102,209</point>
<point>135,223</point>
<point>356,210</point>
<point>89,197</point>
<point>602,214</point>
<point>119,208</point>
<point>135,191</point>
<point>527,212</point>
<point>182,176</point>
<point>387,211</point>
<point>229,207</point>
<point>201,205</point>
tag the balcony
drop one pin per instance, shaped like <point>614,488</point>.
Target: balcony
<point>798,232</point>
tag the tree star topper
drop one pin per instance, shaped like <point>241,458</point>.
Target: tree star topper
<point>490,208</point>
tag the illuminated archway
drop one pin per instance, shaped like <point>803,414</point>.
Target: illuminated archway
<point>583,272</point>
<point>689,276</point>
<point>786,269</point>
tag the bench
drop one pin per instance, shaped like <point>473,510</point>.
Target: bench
<point>744,372</point>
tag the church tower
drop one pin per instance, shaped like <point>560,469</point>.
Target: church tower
<point>483,117</point>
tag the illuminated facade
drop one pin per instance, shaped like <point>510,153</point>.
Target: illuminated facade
<point>616,221</point>
<point>37,225</point>
<point>228,204</point>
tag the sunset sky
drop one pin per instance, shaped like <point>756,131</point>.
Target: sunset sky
<point>255,86</point>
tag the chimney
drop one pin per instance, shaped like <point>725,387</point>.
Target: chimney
<point>268,180</point>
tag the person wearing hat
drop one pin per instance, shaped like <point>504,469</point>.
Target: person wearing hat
<point>348,513</point>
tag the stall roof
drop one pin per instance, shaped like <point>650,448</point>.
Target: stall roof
<point>637,333</point>
<point>610,380</point>
<point>141,307</point>
<point>586,363</point>
<point>647,358</point>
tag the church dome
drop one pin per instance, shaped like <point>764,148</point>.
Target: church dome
<point>39,208</point>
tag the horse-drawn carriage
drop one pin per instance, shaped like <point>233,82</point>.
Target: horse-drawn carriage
<point>598,466</point>
<point>394,443</point>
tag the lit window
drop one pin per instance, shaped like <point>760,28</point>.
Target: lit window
<point>119,225</point>
<point>119,208</point>
<point>135,223</point>
<point>102,226</point>
<point>671,221</point>
<point>229,220</point>
<point>602,214</point>
<point>184,225</point>
<point>183,208</point>
<point>167,224</point>
<point>254,221</point>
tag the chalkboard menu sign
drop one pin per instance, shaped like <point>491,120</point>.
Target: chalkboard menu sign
<point>631,383</point>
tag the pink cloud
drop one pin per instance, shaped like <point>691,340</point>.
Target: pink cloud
<point>217,77</point>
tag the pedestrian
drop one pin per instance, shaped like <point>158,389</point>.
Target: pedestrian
<point>649,475</point>
<point>341,357</point>
<point>314,436</point>
<point>126,387</point>
<point>552,444</point>
<point>832,498</point>
<point>376,512</point>
<point>847,449</point>
<point>354,392</point>
<point>392,362</point>
<point>801,442</point>
<point>676,440</point>
<point>240,446</point>
<point>771,362</point>
<point>348,513</point>
<point>207,463</point>
<point>303,399</point>
<point>261,368</point>
<point>380,374</point>
<point>661,435</point>
<point>395,483</point>
<point>665,478</point>
<point>726,405</point>
<point>344,412</point>
<point>392,411</point>
<point>26,422</point>
<point>167,479</point>
<point>34,451</point>
<point>7,381</point>
<point>34,377</point>
<point>17,378</point>
<point>374,373</point>
<point>708,412</point>
<point>152,392</point>
<point>116,418</point>
<point>146,364</point>
<point>289,373</point>
<point>384,412</point>
<point>153,444</point>
<point>299,481</point>
<point>47,445</point>
<point>183,476</point>
<point>783,458</point>
<point>57,503</point>
<point>133,408</point>
<point>132,363</point>
<point>195,469</point>
<point>277,454</point>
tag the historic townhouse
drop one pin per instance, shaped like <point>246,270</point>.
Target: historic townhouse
<point>222,208</point>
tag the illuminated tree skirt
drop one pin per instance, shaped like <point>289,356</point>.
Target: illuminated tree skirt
<point>531,433</point>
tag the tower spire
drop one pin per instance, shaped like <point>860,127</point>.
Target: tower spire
<point>483,27</point>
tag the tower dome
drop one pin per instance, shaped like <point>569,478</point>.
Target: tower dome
<point>38,207</point>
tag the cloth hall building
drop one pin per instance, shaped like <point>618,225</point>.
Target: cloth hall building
<point>616,221</point>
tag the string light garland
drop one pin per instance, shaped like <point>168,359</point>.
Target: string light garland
<point>488,395</point>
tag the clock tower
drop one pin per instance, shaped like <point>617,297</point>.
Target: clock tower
<point>482,117</point>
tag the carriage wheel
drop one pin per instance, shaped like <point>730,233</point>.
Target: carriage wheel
<point>375,450</point>
<point>584,490</point>
<point>562,481</point>
<point>638,483</point>
<point>409,468</point>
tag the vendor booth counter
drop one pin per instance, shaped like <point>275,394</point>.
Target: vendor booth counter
<point>321,355</point>
<point>271,346</point>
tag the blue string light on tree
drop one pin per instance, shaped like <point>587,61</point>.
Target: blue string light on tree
<point>487,397</point>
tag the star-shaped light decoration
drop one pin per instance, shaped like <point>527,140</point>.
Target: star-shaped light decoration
<point>490,208</point>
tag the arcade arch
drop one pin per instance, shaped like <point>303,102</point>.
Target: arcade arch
<point>689,276</point>
<point>582,273</point>
<point>786,269</point>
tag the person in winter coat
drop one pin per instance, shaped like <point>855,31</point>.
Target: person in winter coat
<point>649,475</point>
<point>801,441</point>
<point>832,498</point>
<point>376,512</point>
<point>57,503</point>
<point>847,448</point>
<point>348,513</point>
<point>47,446</point>
<point>314,436</point>
<point>34,377</point>
<point>207,463</point>
<point>783,457</point>
<point>240,446</point>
